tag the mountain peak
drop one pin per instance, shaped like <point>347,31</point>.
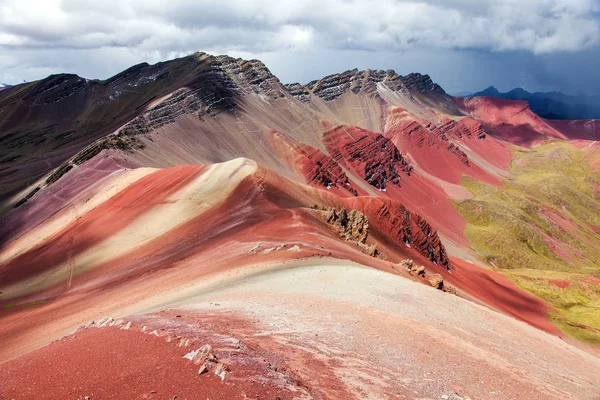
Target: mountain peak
<point>490,91</point>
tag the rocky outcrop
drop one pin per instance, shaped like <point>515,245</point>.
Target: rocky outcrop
<point>393,220</point>
<point>412,268</point>
<point>29,195</point>
<point>351,226</point>
<point>322,170</point>
<point>215,89</point>
<point>333,86</point>
<point>437,281</point>
<point>421,83</point>
<point>119,141</point>
<point>421,136</point>
<point>317,168</point>
<point>372,155</point>
<point>454,149</point>
<point>397,222</point>
<point>298,91</point>
<point>210,99</point>
<point>250,76</point>
<point>56,88</point>
<point>464,128</point>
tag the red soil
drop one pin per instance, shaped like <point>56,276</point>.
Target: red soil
<point>261,211</point>
<point>371,156</point>
<point>560,283</point>
<point>112,363</point>
<point>188,238</point>
<point>559,220</point>
<point>501,294</point>
<point>585,130</point>
<point>510,120</point>
<point>264,220</point>
<point>394,223</point>
<point>377,160</point>
<point>563,250</point>
<point>426,198</point>
<point>212,239</point>
<point>318,169</point>
<point>434,151</point>
<point>490,149</point>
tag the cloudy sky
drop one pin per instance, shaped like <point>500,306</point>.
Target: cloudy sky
<point>462,44</point>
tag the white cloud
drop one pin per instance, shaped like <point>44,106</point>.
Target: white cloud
<point>132,29</point>
<point>534,25</point>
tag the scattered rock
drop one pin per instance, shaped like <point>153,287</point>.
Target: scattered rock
<point>406,264</point>
<point>437,281</point>
<point>201,355</point>
<point>104,321</point>
<point>207,359</point>
<point>372,250</point>
<point>205,353</point>
<point>204,368</point>
<point>221,370</point>
<point>412,268</point>
<point>192,354</point>
<point>450,289</point>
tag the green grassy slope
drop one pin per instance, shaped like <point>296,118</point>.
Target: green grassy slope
<point>542,229</point>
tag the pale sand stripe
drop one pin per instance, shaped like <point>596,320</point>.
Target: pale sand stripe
<point>114,184</point>
<point>208,190</point>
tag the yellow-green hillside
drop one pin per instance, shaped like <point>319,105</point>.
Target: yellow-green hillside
<point>541,227</point>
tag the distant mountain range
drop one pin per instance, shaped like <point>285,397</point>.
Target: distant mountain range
<point>551,105</point>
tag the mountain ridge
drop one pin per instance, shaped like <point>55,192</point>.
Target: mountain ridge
<point>550,105</point>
